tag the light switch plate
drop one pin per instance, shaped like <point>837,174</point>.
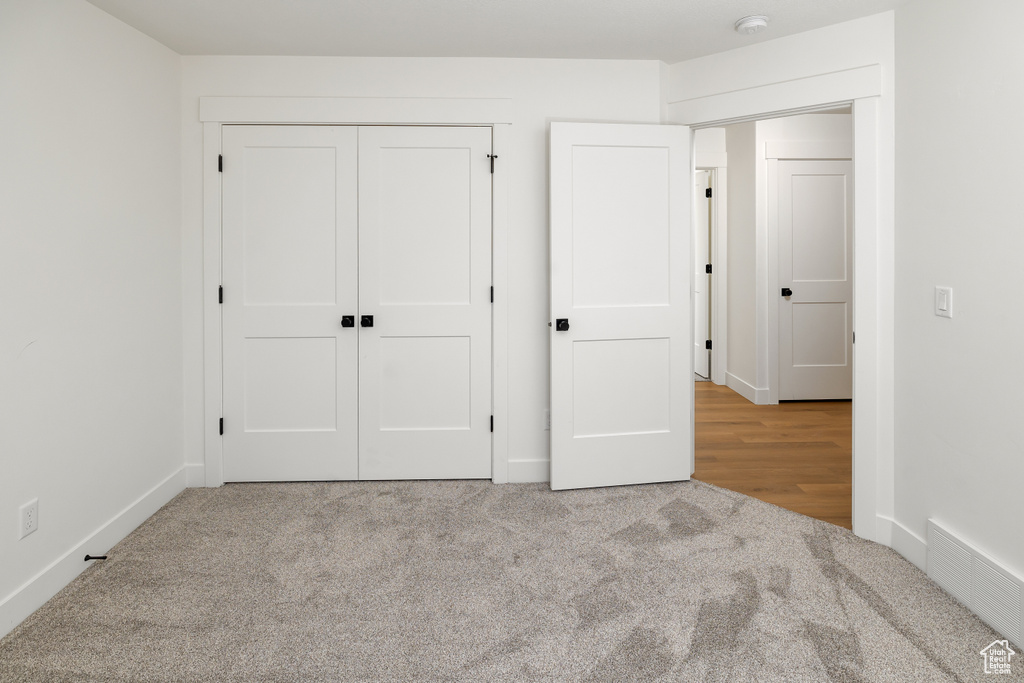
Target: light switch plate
<point>944,302</point>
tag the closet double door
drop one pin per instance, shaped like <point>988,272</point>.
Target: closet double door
<point>356,309</point>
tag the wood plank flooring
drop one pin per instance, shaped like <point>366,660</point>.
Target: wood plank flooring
<point>798,456</point>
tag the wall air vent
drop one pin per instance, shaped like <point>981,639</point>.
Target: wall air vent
<point>979,582</point>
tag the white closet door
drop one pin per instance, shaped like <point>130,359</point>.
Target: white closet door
<point>425,278</point>
<point>289,231</point>
<point>621,277</point>
<point>815,212</point>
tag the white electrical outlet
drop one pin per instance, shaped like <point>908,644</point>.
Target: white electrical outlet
<point>29,517</point>
<point>547,419</point>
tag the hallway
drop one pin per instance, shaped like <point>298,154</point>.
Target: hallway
<point>795,455</point>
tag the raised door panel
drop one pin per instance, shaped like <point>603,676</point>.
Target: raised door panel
<point>620,228</point>
<point>621,387</point>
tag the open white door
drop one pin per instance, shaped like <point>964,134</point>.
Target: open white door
<point>621,274</point>
<point>701,278</point>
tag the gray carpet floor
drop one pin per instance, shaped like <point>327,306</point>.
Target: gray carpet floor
<point>470,581</point>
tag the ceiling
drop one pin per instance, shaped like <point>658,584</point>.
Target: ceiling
<point>669,30</point>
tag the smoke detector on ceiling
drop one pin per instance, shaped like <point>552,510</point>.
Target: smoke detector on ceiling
<point>751,25</point>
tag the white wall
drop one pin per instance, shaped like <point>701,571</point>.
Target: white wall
<point>960,220</point>
<point>741,305</point>
<point>818,127</point>
<point>826,50</point>
<point>541,90</point>
<point>90,287</point>
<point>709,149</point>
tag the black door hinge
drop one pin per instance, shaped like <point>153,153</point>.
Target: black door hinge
<point>707,345</point>
<point>707,193</point>
<point>492,157</point>
<point>220,163</point>
<point>492,423</point>
<point>220,294</point>
<point>492,294</point>
<point>222,426</point>
<point>707,269</point>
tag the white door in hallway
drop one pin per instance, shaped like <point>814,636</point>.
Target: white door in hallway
<point>289,235</point>
<point>621,278</point>
<point>425,278</point>
<point>815,260</point>
<point>701,278</point>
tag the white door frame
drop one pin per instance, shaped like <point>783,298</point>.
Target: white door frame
<point>215,112</point>
<point>696,200</point>
<point>775,151</point>
<point>718,331</point>
<point>874,256</point>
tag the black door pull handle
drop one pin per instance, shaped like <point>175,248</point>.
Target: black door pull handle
<point>366,321</point>
<point>786,291</point>
<point>562,324</point>
<point>348,321</point>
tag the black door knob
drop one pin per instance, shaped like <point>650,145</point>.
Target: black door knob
<point>562,324</point>
<point>786,291</point>
<point>366,321</point>
<point>348,321</point>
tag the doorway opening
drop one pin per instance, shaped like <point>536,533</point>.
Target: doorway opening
<point>776,421</point>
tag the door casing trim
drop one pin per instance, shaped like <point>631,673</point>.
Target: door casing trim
<point>874,258</point>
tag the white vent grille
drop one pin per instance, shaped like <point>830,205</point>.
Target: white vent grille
<point>976,580</point>
<point>997,598</point>
<point>949,564</point>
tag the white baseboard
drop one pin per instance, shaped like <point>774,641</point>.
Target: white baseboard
<point>748,391</point>
<point>195,476</point>
<point>26,599</point>
<point>882,531</point>
<point>909,545</point>
<point>984,586</point>
<point>528,471</point>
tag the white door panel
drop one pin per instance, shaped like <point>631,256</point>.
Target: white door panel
<point>289,230</point>
<point>621,374</point>
<point>420,209</point>
<point>417,395</point>
<point>815,205</point>
<point>290,384</point>
<point>424,263</point>
<point>620,226</point>
<point>289,254</point>
<point>609,374</point>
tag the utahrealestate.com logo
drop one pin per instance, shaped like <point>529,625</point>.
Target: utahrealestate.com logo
<point>997,657</point>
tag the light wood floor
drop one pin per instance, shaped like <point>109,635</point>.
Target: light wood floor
<point>795,455</point>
